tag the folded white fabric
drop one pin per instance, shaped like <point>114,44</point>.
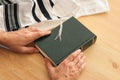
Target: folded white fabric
<point>76,8</point>
<point>79,8</point>
<point>89,7</point>
<point>15,14</point>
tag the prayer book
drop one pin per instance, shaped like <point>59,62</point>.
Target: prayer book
<point>73,35</point>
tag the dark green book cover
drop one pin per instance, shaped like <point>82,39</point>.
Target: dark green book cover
<point>74,36</point>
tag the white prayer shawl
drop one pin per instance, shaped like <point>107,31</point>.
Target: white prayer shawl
<point>16,14</point>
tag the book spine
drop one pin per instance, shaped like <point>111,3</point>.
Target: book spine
<point>88,43</point>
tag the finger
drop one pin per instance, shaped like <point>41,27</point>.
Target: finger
<point>28,50</point>
<point>82,54</point>
<point>49,65</point>
<point>33,29</point>
<point>38,34</point>
<point>81,59</point>
<point>77,59</point>
<point>36,29</point>
<point>44,33</point>
<point>32,36</point>
<point>73,55</point>
<point>81,62</point>
<point>83,65</point>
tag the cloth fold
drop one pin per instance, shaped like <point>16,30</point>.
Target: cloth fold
<point>77,8</point>
<point>46,14</point>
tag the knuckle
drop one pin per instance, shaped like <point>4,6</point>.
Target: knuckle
<point>28,36</point>
<point>81,55</point>
<point>64,63</point>
<point>82,59</point>
<point>71,58</point>
<point>34,29</point>
<point>71,67</point>
<point>40,33</point>
<point>73,55</point>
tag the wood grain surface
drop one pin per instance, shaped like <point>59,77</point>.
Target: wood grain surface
<point>103,58</point>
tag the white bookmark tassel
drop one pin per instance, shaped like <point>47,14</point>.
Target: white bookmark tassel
<point>60,32</point>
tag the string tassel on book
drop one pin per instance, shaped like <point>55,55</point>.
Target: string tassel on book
<point>60,33</point>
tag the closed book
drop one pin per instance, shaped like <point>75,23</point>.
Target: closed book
<point>74,35</point>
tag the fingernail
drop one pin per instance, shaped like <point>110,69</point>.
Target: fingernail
<point>47,32</point>
<point>78,50</point>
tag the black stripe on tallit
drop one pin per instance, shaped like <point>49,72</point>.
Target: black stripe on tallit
<point>43,9</point>
<point>51,3</point>
<point>34,14</point>
<point>6,18</point>
<point>16,16</point>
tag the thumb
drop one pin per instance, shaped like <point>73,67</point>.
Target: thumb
<point>49,65</point>
<point>39,34</point>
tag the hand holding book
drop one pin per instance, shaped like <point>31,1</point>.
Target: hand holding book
<point>20,41</point>
<point>69,69</point>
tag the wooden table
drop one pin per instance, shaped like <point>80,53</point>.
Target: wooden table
<point>103,58</point>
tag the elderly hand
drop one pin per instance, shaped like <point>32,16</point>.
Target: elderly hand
<point>69,69</point>
<point>18,41</point>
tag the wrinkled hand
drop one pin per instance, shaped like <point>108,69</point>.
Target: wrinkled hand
<point>69,69</point>
<point>18,41</point>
